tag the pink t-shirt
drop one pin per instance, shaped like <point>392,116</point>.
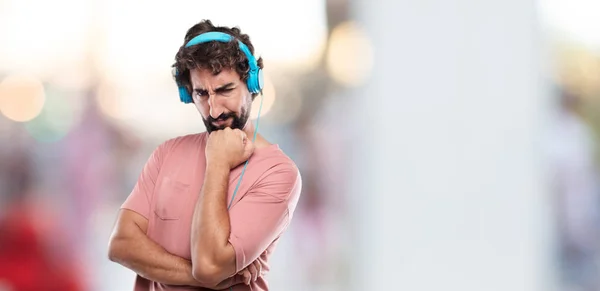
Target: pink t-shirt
<point>169,186</point>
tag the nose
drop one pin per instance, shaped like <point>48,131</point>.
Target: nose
<point>215,107</point>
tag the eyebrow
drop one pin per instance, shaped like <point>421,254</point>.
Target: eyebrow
<point>218,89</point>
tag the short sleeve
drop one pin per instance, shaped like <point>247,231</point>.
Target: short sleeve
<point>263,213</point>
<point>141,195</point>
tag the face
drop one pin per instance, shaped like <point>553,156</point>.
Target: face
<point>223,100</point>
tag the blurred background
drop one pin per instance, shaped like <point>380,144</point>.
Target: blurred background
<point>443,144</point>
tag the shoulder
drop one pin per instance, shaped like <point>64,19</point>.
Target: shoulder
<point>183,143</point>
<point>279,176</point>
<point>273,160</point>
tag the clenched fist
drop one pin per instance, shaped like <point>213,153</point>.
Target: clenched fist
<point>256,269</point>
<point>229,147</point>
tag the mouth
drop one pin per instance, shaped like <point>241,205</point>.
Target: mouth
<point>220,122</point>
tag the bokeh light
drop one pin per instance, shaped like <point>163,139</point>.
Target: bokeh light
<point>579,71</point>
<point>57,118</point>
<point>21,97</point>
<point>350,54</point>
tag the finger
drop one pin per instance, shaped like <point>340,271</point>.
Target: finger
<point>253,271</point>
<point>258,269</point>
<point>238,131</point>
<point>247,276</point>
<point>264,267</point>
<point>238,134</point>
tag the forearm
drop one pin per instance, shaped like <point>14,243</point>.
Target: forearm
<point>151,261</point>
<point>211,252</point>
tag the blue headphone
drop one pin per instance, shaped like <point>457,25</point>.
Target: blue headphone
<point>255,81</point>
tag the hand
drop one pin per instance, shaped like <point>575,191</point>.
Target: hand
<point>256,269</point>
<point>229,147</point>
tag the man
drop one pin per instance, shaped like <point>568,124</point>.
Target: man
<point>183,227</point>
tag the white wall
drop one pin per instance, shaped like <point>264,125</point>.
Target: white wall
<point>448,188</point>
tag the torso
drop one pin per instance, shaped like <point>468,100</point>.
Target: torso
<point>178,187</point>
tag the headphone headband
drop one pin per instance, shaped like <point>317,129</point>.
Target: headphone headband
<point>223,37</point>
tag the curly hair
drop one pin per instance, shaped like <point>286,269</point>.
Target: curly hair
<point>214,56</point>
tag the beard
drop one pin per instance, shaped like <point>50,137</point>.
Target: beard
<point>236,121</point>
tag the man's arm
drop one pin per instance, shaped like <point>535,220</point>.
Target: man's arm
<point>224,242</point>
<point>213,257</point>
<point>130,247</point>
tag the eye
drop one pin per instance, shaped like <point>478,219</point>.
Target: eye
<point>225,91</point>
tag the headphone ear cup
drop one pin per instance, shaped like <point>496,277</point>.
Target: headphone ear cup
<point>251,83</point>
<point>255,81</point>
<point>260,80</point>
<point>184,96</point>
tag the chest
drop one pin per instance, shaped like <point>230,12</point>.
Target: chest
<point>176,193</point>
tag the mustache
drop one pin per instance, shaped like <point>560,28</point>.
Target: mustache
<point>223,116</point>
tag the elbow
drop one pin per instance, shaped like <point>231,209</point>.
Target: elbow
<point>212,267</point>
<point>207,273</point>
<point>115,245</point>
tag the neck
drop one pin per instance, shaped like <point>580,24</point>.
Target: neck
<point>249,129</point>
